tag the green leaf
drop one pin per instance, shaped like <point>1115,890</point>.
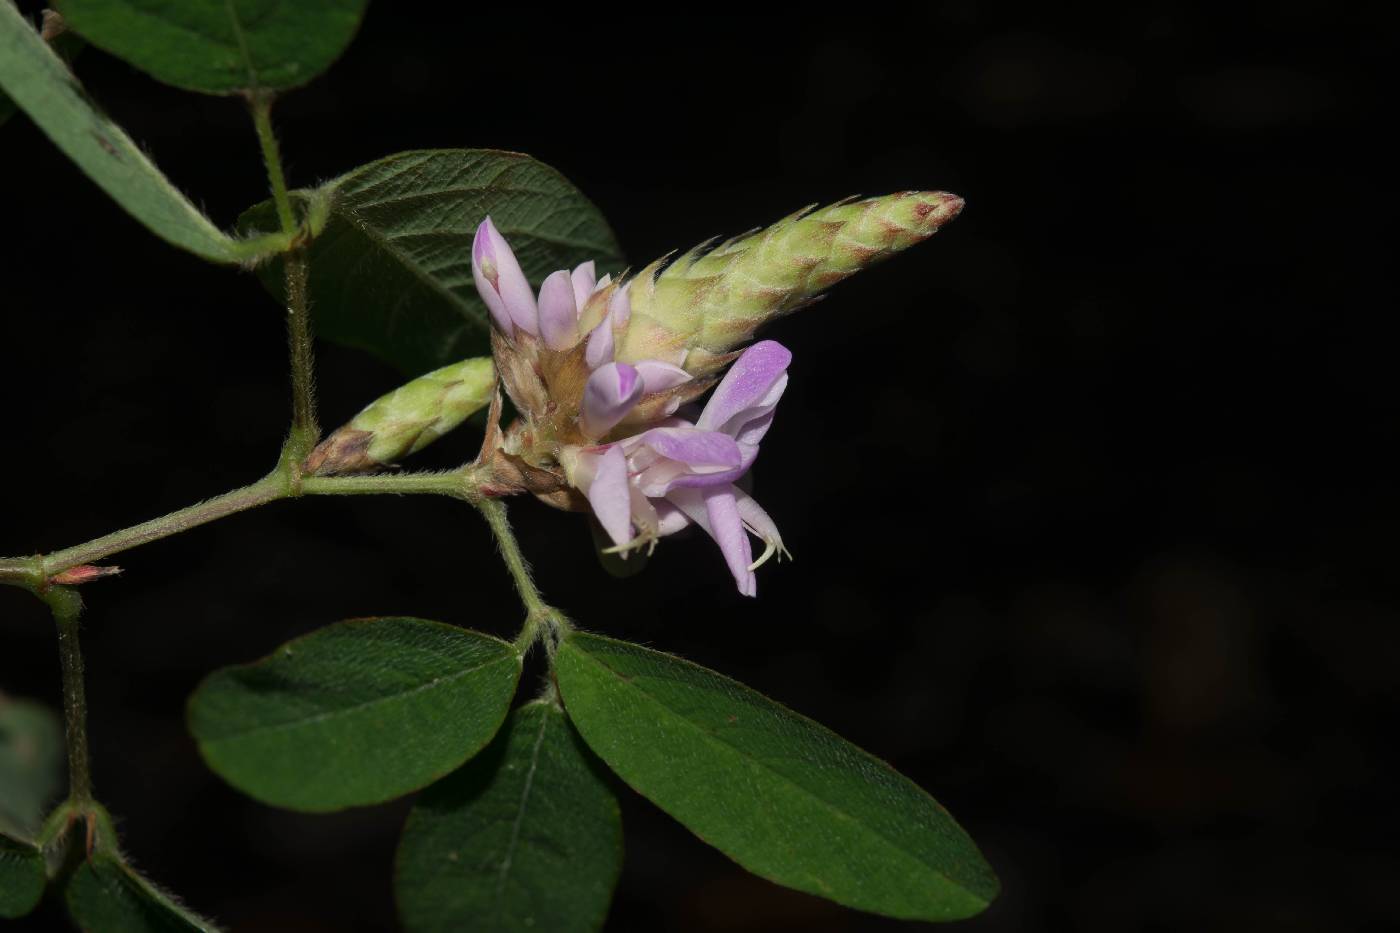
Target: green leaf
<point>105,895</point>
<point>527,836</point>
<point>220,46</point>
<point>31,764</point>
<point>391,262</point>
<point>43,87</point>
<point>66,45</point>
<point>782,796</point>
<point>22,877</point>
<point>356,713</point>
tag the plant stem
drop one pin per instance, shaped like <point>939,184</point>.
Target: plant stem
<point>261,103</point>
<point>453,483</point>
<point>268,489</point>
<point>538,612</point>
<point>67,606</point>
<point>305,430</point>
<point>33,573</point>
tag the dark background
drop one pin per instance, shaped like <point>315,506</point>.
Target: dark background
<point>1094,517</point>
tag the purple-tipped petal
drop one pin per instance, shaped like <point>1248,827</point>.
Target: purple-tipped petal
<point>608,395</point>
<point>748,392</point>
<point>610,496</point>
<point>500,282</point>
<point>658,376</point>
<point>558,314</point>
<point>584,278</point>
<point>600,344</point>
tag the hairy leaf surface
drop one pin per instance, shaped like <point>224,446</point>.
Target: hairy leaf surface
<point>356,713</point>
<point>220,46</point>
<point>105,895</point>
<point>782,796</point>
<point>526,836</point>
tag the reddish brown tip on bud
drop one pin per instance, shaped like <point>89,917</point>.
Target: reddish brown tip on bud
<point>83,573</point>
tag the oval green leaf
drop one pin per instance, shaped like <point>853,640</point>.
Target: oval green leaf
<point>391,260</point>
<point>31,764</point>
<point>22,877</point>
<point>527,836</point>
<point>40,83</point>
<point>105,895</point>
<point>220,46</point>
<point>781,795</point>
<point>356,713</point>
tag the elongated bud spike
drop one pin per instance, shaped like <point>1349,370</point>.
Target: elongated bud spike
<point>709,301</point>
<point>407,419</point>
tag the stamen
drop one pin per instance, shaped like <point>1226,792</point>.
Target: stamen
<point>768,552</point>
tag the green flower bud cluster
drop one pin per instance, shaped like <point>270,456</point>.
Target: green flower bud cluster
<point>697,308</point>
<point>407,419</point>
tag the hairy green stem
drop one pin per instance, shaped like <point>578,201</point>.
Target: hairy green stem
<point>268,489</point>
<point>453,483</point>
<point>537,612</point>
<point>261,104</point>
<point>305,430</point>
<point>33,573</point>
<point>67,607</point>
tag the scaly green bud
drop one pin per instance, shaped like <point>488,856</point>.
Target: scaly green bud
<point>705,303</point>
<point>407,419</point>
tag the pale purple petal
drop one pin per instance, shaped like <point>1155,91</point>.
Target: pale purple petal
<point>749,391</point>
<point>727,527</point>
<point>716,511</point>
<point>695,448</point>
<point>610,495</point>
<point>500,282</point>
<point>583,279</point>
<point>558,314</point>
<point>695,479</point>
<point>600,344</point>
<point>658,376</point>
<point>486,277</point>
<point>608,395</point>
<point>692,505</point>
<point>669,518</point>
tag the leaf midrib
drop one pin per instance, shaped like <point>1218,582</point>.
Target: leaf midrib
<point>347,710</point>
<point>715,739</point>
<point>514,841</point>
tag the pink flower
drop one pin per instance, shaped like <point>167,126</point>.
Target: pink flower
<point>666,477</point>
<point>664,473</point>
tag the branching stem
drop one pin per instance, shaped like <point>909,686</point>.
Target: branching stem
<point>67,607</point>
